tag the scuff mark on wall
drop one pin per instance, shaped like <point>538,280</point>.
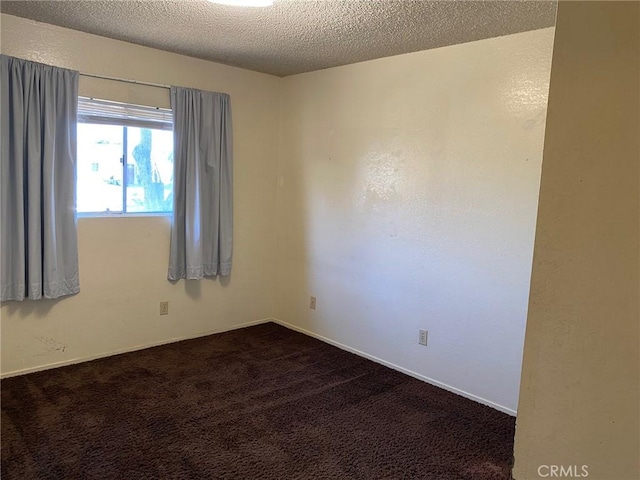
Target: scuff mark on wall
<point>50,346</point>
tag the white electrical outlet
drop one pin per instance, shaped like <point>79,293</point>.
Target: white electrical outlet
<point>422,339</point>
<point>164,308</point>
<point>312,303</point>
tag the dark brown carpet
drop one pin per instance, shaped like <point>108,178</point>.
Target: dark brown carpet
<point>259,403</point>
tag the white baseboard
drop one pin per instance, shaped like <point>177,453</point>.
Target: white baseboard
<point>411,373</point>
<point>258,322</point>
<point>63,363</point>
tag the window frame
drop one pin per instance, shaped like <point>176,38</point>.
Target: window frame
<point>122,115</point>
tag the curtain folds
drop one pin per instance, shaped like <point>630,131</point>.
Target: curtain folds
<point>202,229</point>
<point>38,236</point>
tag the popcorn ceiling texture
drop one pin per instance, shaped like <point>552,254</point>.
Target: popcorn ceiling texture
<point>293,36</point>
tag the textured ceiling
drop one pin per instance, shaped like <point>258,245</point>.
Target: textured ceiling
<point>292,36</point>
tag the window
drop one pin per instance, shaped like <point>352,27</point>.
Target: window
<point>125,158</point>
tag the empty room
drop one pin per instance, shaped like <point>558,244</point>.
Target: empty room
<point>320,239</point>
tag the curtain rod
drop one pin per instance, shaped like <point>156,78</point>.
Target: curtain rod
<point>125,80</point>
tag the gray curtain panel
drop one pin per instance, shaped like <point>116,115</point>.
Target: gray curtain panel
<point>202,229</point>
<point>38,238</point>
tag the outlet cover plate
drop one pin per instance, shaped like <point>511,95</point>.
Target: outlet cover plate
<point>164,308</point>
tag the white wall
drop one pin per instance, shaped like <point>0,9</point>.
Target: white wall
<point>407,199</point>
<point>580,396</point>
<point>406,196</point>
<point>123,261</point>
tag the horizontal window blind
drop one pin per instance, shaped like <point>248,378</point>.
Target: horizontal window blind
<point>105,112</point>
